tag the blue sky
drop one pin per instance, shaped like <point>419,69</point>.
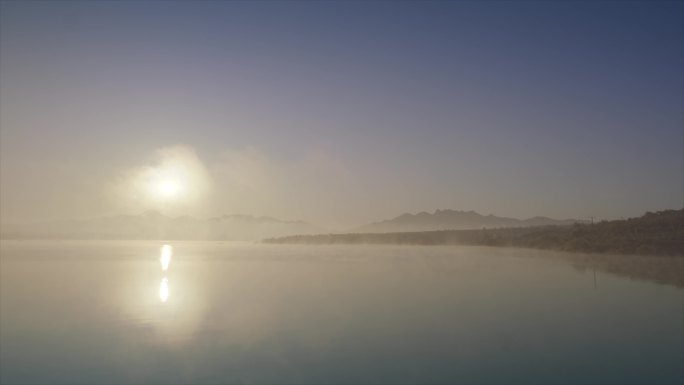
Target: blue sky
<point>346,112</point>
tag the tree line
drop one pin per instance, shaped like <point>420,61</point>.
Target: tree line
<point>654,233</point>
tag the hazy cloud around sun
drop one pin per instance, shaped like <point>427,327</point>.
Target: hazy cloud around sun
<point>311,186</point>
<point>176,181</point>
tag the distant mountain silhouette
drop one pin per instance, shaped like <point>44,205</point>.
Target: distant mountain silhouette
<point>453,220</point>
<point>154,225</point>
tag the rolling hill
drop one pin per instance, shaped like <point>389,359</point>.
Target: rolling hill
<point>454,220</point>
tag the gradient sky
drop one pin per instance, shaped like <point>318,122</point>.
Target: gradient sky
<point>342,113</point>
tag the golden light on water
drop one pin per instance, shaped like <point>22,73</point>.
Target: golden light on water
<point>165,259</point>
<point>164,289</point>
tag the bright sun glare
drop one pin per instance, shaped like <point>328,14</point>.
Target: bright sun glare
<point>168,188</point>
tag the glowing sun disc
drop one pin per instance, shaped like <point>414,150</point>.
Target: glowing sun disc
<point>168,188</point>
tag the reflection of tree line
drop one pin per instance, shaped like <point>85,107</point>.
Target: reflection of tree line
<point>653,234</point>
<point>663,270</point>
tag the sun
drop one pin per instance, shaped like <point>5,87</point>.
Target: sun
<point>168,188</point>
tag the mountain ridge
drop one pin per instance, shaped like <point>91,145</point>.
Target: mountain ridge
<point>448,219</point>
<point>152,224</point>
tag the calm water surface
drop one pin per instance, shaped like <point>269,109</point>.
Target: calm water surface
<point>137,312</point>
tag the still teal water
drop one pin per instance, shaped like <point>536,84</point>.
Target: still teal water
<point>201,313</point>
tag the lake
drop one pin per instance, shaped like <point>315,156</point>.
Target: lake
<point>96,312</point>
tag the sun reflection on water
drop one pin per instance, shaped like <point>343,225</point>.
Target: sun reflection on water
<point>164,289</point>
<point>165,259</point>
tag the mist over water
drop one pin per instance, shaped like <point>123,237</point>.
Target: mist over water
<point>341,192</point>
<point>104,312</point>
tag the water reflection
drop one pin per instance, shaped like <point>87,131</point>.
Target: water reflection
<point>164,289</point>
<point>351,314</point>
<point>165,259</point>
